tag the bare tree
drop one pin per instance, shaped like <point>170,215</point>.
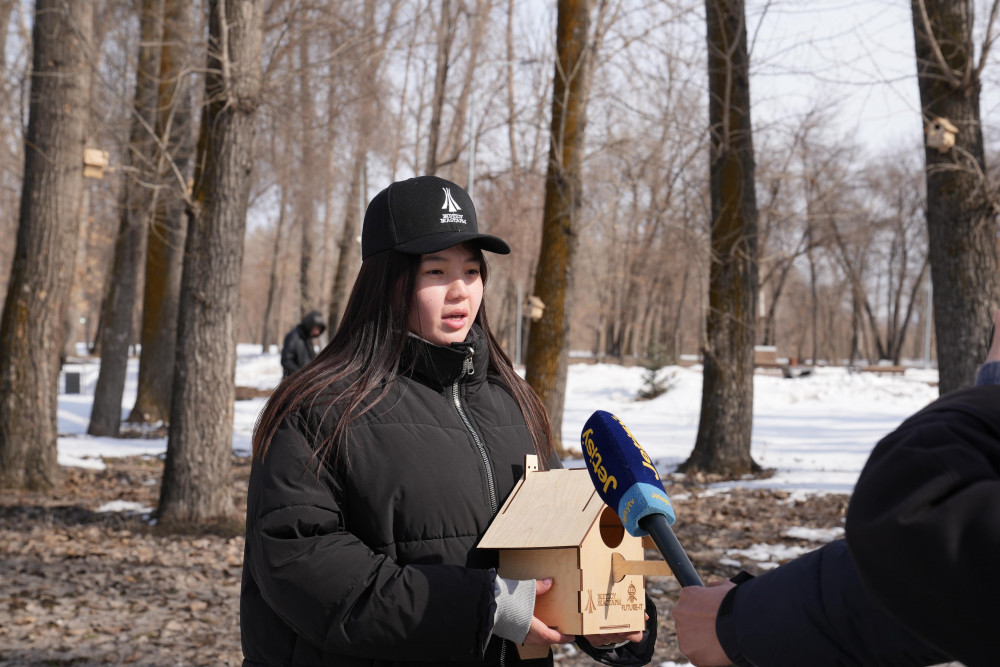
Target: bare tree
<point>168,227</point>
<point>137,199</point>
<point>199,445</point>
<point>445,39</point>
<point>31,331</point>
<point>349,252</point>
<point>305,207</point>
<point>883,253</point>
<point>726,422</point>
<point>548,346</point>
<point>961,206</point>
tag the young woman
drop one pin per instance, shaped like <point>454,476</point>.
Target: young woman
<point>378,466</point>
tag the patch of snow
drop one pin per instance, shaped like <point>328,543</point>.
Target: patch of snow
<point>125,507</point>
<point>815,534</point>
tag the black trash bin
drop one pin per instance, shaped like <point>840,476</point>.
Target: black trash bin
<point>72,382</point>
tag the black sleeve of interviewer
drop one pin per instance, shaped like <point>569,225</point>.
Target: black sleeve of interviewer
<point>923,524</point>
<point>814,611</point>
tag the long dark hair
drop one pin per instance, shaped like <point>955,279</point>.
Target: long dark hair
<point>358,367</point>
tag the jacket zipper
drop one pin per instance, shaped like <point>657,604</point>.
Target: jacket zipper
<point>469,369</point>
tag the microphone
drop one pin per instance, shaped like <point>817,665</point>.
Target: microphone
<point>627,481</point>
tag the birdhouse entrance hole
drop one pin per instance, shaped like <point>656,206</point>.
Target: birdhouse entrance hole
<point>612,530</point>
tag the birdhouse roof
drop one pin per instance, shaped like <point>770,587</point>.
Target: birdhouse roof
<point>552,508</point>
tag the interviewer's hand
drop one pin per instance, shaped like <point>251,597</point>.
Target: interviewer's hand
<point>694,618</point>
<point>539,633</point>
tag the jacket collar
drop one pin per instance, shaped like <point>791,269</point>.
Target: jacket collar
<point>440,366</point>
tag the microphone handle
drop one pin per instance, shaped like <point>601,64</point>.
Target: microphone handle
<point>665,540</point>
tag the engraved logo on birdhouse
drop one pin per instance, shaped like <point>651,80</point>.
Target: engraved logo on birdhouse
<point>631,593</point>
<point>591,607</point>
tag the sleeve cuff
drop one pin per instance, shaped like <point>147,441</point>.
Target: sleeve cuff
<point>515,606</point>
<point>725,623</point>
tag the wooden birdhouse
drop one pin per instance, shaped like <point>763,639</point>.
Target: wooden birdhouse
<point>941,134</point>
<point>534,308</point>
<point>555,525</point>
<point>95,161</point>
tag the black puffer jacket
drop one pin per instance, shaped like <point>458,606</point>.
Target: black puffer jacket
<point>915,581</point>
<point>924,524</point>
<point>379,567</point>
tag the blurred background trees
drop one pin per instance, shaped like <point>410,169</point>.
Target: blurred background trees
<point>355,95</point>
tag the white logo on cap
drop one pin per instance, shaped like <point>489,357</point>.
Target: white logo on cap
<point>449,203</point>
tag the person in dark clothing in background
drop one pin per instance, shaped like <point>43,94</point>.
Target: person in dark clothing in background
<point>914,582</point>
<point>378,467</point>
<point>297,350</point>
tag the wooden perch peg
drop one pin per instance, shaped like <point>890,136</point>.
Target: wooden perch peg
<point>621,567</point>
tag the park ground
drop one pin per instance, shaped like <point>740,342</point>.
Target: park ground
<point>79,586</point>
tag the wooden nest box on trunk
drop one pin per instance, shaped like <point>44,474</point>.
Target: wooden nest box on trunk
<point>554,524</point>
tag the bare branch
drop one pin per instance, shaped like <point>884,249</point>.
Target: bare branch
<point>946,70</point>
<point>987,41</point>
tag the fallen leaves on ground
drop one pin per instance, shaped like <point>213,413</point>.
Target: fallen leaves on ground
<point>81,587</point>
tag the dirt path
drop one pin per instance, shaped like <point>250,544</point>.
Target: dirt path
<point>78,587</point>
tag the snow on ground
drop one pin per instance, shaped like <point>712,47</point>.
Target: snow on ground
<point>816,431</point>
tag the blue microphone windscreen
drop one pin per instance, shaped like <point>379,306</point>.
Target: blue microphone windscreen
<point>622,472</point>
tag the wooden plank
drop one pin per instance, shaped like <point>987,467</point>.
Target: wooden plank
<point>649,568</point>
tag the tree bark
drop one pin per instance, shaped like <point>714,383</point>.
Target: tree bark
<point>961,217</point>
<point>6,6</point>
<point>547,355</point>
<point>168,229</point>
<point>349,251</point>
<point>445,38</point>
<point>195,489</point>
<point>269,331</point>
<point>34,316</point>
<point>726,422</point>
<point>306,196</point>
<point>462,126</point>
<point>137,199</point>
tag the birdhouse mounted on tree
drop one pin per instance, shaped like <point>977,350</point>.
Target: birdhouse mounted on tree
<point>941,134</point>
<point>94,162</point>
<point>555,525</point>
<point>534,308</point>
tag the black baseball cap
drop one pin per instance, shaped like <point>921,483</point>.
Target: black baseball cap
<point>423,215</point>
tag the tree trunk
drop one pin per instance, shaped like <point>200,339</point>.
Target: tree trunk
<point>195,487</point>
<point>269,330</point>
<point>445,37</point>
<point>34,316</point>
<point>548,346</point>
<point>462,126</point>
<point>350,252</point>
<point>168,229</point>
<point>6,6</point>
<point>961,218</point>
<point>305,201</point>
<point>130,245</point>
<point>725,426</point>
